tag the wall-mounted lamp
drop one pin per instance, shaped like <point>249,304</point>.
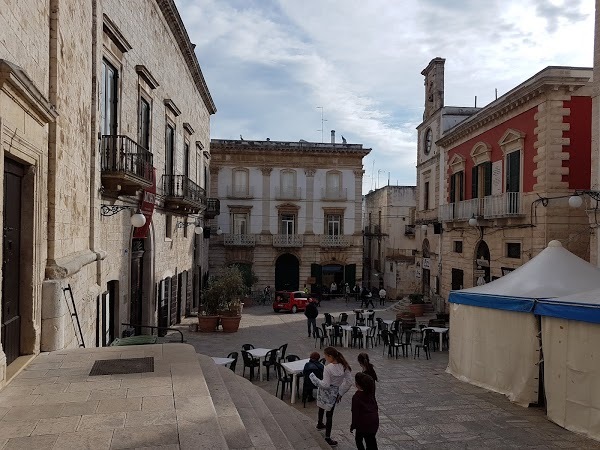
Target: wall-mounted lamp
<point>424,228</point>
<point>137,220</point>
<point>576,200</point>
<point>219,231</point>
<point>475,223</point>
<point>197,230</point>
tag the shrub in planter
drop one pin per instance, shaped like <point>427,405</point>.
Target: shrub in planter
<point>224,292</point>
<point>416,304</point>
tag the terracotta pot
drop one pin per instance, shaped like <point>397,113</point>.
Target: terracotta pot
<point>417,309</point>
<point>208,324</point>
<point>230,324</point>
<point>405,315</point>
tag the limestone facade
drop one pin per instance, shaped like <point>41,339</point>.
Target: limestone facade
<point>595,182</point>
<point>509,171</point>
<point>291,210</point>
<point>72,80</point>
<point>389,236</point>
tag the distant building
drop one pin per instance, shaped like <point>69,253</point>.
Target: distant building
<point>389,236</point>
<point>291,210</point>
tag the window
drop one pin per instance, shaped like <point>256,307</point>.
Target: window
<point>186,159</point>
<point>240,223</point>
<point>205,178</point>
<point>288,183</point>
<point>457,187</point>
<point>144,123</point>
<point>168,226</point>
<point>288,224</point>
<point>334,184</point>
<point>169,149</point>
<point>108,99</point>
<point>481,180</point>
<point>427,140</point>
<point>426,195</point>
<point>334,224</point>
<point>513,171</point>
<point>513,250</point>
<point>240,182</point>
<point>458,246</point>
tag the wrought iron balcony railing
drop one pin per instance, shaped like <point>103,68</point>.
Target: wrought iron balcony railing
<point>288,193</point>
<point>288,240</point>
<point>179,191</point>
<point>334,194</point>
<point>240,192</point>
<point>126,162</point>
<point>409,230</point>
<point>239,240</point>
<point>334,240</point>
<point>213,208</point>
<point>503,205</point>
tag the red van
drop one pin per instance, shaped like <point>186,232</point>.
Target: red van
<point>290,301</point>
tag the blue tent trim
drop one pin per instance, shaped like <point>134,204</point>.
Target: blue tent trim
<point>583,312</point>
<point>518,304</point>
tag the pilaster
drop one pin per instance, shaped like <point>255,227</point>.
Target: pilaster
<point>266,199</point>
<point>310,195</point>
<point>358,177</point>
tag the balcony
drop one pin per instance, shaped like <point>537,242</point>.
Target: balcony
<point>334,195</point>
<point>409,230</point>
<point>333,240</point>
<point>287,193</point>
<point>239,240</point>
<point>213,208</point>
<point>182,194</point>
<point>126,166</point>
<point>508,204</point>
<point>288,240</point>
<point>240,192</point>
<point>462,210</point>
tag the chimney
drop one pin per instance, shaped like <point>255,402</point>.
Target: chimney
<point>333,136</point>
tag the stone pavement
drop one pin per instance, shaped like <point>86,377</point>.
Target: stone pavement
<point>420,405</point>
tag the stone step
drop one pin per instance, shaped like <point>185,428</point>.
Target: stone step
<point>269,416</point>
<point>232,427</point>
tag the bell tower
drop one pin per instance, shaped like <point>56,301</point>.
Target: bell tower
<point>434,86</point>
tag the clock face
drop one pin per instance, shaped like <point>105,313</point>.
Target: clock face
<point>427,141</point>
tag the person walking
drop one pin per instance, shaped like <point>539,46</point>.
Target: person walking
<point>333,289</point>
<point>382,294</point>
<point>311,312</point>
<point>347,292</point>
<point>366,366</point>
<point>267,295</point>
<point>369,300</point>
<point>365,413</point>
<point>337,379</point>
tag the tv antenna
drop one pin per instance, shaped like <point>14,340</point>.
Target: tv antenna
<point>322,121</point>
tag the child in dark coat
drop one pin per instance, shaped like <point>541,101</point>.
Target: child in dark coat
<point>365,413</point>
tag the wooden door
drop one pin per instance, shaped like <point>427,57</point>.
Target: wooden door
<point>10,327</point>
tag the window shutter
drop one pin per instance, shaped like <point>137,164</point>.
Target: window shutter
<point>461,186</point>
<point>453,188</point>
<point>513,172</point>
<point>487,178</point>
<point>474,182</point>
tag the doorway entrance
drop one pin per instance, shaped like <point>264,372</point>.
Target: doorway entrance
<point>457,279</point>
<point>10,334</point>
<point>426,265</point>
<point>481,265</point>
<point>287,273</point>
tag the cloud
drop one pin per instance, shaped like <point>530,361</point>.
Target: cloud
<point>269,64</point>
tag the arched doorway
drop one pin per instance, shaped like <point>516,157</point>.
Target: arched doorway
<point>425,266</point>
<point>481,273</point>
<point>287,273</point>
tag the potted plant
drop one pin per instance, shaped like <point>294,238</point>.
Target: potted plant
<point>417,304</point>
<point>250,279</point>
<point>226,291</point>
<point>208,314</point>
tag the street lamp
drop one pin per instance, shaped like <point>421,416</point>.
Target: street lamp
<point>137,220</point>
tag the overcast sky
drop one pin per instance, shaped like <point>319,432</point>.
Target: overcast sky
<point>269,64</point>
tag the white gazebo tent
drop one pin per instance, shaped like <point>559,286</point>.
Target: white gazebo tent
<point>571,337</point>
<point>493,333</point>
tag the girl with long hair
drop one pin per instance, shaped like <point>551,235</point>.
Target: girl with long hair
<point>366,366</point>
<point>365,413</point>
<point>337,379</point>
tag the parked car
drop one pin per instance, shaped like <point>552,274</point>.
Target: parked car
<point>290,301</point>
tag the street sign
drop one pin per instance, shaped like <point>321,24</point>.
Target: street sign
<point>479,273</point>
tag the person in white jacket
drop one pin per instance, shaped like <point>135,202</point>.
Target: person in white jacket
<point>337,379</point>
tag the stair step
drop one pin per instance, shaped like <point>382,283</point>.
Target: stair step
<point>294,424</point>
<point>232,426</point>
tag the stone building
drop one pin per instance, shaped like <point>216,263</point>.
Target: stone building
<point>389,237</point>
<point>291,210</point>
<point>595,163</point>
<point>437,118</point>
<point>100,105</point>
<point>508,173</point>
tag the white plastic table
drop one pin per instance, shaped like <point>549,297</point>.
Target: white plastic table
<point>259,353</point>
<point>348,330</point>
<point>388,322</point>
<point>295,368</point>
<point>222,361</point>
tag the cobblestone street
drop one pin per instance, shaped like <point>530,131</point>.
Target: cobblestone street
<point>420,405</point>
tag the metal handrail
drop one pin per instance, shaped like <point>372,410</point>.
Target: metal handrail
<point>153,327</point>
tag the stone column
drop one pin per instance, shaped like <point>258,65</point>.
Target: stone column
<point>358,176</point>
<point>310,195</point>
<point>266,199</point>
